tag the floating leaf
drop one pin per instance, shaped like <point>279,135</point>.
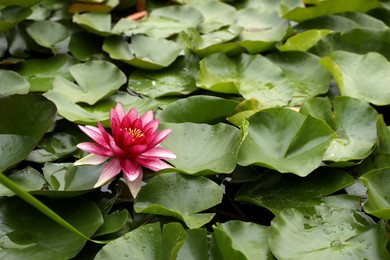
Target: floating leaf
<point>86,46</point>
<point>179,78</point>
<point>11,16</point>
<point>97,23</point>
<point>304,40</point>
<point>262,29</point>
<point>208,109</point>
<point>34,235</point>
<point>180,196</point>
<point>327,232</point>
<point>113,222</point>
<point>354,73</point>
<point>195,245</point>
<point>242,240</point>
<point>300,14</point>
<point>378,195</point>
<point>40,73</point>
<point>12,83</point>
<point>142,51</point>
<point>278,192</point>
<point>47,33</point>
<point>201,148</point>
<point>355,126</point>
<point>285,140</point>
<point>383,132</point>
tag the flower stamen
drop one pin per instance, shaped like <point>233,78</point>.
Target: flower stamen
<point>134,132</point>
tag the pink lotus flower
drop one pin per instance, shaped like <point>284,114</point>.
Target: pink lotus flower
<point>134,143</point>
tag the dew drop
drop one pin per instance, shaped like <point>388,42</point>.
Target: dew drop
<point>335,243</point>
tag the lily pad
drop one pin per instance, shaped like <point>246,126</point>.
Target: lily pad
<point>11,16</point>
<point>278,192</point>
<point>300,14</point>
<point>378,195</point>
<point>47,33</point>
<point>327,232</point>
<point>284,140</point>
<point>354,73</point>
<point>242,240</point>
<point>355,126</point>
<point>12,83</point>
<point>97,23</point>
<point>209,110</point>
<point>29,234</point>
<point>177,79</point>
<point>179,196</point>
<point>202,149</point>
<point>262,29</point>
<point>142,51</point>
<point>28,178</point>
<point>304,40</point>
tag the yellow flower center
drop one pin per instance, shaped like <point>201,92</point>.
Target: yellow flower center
<point>135,133</point>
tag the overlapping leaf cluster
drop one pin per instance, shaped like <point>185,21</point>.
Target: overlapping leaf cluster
<point>277,111</point>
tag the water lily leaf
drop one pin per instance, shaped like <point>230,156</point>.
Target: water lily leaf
<point>11,16</point>
<point>319,107</point>
<point>34,235</point>
<point>343,22</point>
<point>208,109</point>
<point>40,73</point>
<point>177,79</point>
<point>47,33</point>
<point>173,237</point>
<point>195,245</point>
<point>278,192</point>
<point>383,132</point>
<point>12,83</point>
<point>262,29</point>
<point>300,14</point>
<point>242,240</point>
<point>327,232</point>
<point>53,147</point>
<point>315,80</point>
<point>86,46</point>
<point>202,148</point>
<point>304,40</point>
<point>378,202</point>
<point>113,222</point>
<point>142,51</point>
<point>97,23</point>
<point>215,15</point>
<point>3,44</point>
<point>28,178</point>
<point>354,72</point>
<point>355,41</point>
<point>355,126</point>
<point>212,42</point>
<point>83,114</point>
<point>166,21</point>
<point>284,140</point>
<point>92,6</point>
<point>24,3</point>
<point>95,79</point>
<point>179,196</point>
<point>18,138</point>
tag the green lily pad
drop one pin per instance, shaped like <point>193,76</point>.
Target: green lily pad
<point>202,149</point>
<point>284,140</point>
<point>355,126</point>
<point>47,33</point>
<point>383,132</point>
<point>319,107</point>
<point>29,234</point>
<point>177,79</point>
<point>278,192</point>
<point>242,240</point>
<point>83,114</point>
<point>86,46</point>
<point>304,40</point>
<point>11,16</point>
<point>95,79</point>
<point>40,73</point>
<point>24,3</point>
<point>327,232</point>
<point>262,29</point>
<point>208,109</point>
<point>35,116</point>
<point>53,147</point>
<point>113,222</point>
<point>166,21</point>
<point>179,196</point>
<point>300,14</point>
<point>28,178</point>
<point>378,195</point>
<point>142,51</point>
<point>354,73</point>
<point>12,83</point>
<point>97,23</point>
<point>195,245</point>
<point>343,22</point>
